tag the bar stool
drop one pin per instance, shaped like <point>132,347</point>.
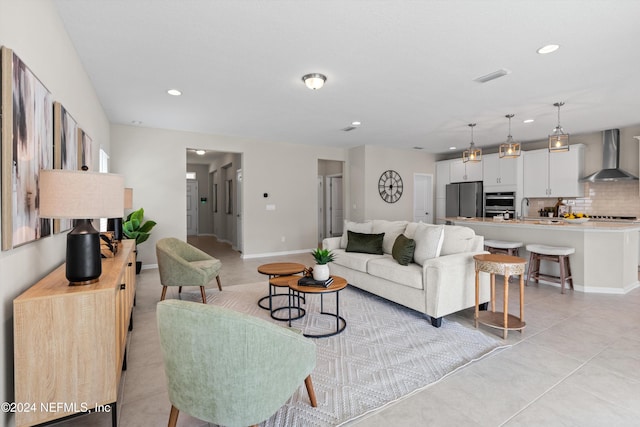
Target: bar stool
<point>505,265</point>
<point>502,247</point>
<point>559,254</point>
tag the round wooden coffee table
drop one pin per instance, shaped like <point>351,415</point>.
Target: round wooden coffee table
<point>273,270</point>
<point>295,290</point>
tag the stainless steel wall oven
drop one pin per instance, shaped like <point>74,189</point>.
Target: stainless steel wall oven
<point>499,203</point>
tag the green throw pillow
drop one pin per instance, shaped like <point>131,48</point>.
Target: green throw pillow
<point>364,243</point>
<point>403,249</point>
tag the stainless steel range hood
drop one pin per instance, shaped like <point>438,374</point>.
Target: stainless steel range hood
<point>610,160</point>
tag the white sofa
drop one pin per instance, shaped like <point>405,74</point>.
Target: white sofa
<point>442,285</point>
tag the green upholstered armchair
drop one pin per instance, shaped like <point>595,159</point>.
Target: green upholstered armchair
<point>230,368</point>
<point>181,264</point>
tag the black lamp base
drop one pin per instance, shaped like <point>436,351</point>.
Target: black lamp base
<point>115,225</point>
<point>84,264</point>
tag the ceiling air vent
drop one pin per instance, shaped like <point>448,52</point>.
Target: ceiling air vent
<point>348,128</point>
<point>492,76</point>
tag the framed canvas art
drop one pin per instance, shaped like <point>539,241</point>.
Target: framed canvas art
<point>65,149</point>
<point>27,147</point>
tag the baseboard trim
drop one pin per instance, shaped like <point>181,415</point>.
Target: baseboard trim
<point>271,254</point>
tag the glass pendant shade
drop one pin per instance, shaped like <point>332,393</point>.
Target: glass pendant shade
<point>559,139</point>
<point>472,154</point>
<point>510,148</point>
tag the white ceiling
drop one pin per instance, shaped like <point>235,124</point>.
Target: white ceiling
<point>405,69</point>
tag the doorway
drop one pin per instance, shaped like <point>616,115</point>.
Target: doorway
<point>330,199</point>
<point>192,207</point>
<point>423,198</point>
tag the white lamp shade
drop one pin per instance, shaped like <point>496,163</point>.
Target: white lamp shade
<point>80,194</point>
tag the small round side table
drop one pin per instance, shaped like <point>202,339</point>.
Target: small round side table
<point>505,265</point>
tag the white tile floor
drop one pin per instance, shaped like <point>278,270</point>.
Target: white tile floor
<point>577,363</point>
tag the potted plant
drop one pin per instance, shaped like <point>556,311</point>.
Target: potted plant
<point>135,227</point>
<point>321,269</point>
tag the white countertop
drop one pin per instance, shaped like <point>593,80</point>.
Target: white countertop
<point>589,226</point>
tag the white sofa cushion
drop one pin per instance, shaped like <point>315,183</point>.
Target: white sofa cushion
<point>429,240</point>
<point>391,230</point>
<point>358,227</point>
<point>353,260</point>
<point>386,267</point>
<point>457,239</point>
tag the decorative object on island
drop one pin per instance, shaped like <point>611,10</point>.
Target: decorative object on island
<point>321,269</point>
<point>135,227</point>
<point>390,186</point>
<point>314,81</point>
<point>115,224</point>
<point>472,154</point>
<point>509,149</point>
<point>83,196</point>
<point>559,139</point>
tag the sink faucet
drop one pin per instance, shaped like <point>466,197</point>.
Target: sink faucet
<point>524,199</point>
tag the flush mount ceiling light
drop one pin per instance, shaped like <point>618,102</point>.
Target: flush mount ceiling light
<point>559,139</point>
<point>528,121</point>
<point>472,154</point>
<point>174,92</point>
<point>356,123</point>
<point>200,152</point>
<point>510,148</point>
<point>314,81</point>
<point>548,49</point>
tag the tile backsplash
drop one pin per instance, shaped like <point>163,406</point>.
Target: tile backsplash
<point>620,198</point>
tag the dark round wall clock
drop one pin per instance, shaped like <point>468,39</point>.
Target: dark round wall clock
<point>390,186</point>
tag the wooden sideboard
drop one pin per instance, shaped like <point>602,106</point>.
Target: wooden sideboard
<point>69,341</point>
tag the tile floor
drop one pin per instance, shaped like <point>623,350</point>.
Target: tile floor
<point>577,363</point>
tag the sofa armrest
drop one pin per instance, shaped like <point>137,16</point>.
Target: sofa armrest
<point>449,282</point>
<point>331,243</point>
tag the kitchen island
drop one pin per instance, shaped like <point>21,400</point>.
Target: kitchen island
<point>606,257</point>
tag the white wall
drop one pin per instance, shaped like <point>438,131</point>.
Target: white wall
<point>367,164</point>
<point>33,30</point>
<point>154,161</point>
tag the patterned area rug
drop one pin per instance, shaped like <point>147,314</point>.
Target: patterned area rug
<point>385,353</point>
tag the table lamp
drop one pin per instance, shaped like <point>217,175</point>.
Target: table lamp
<point>82,196</point>
<point>115,224</point>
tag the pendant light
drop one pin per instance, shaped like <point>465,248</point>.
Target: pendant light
<point>472,154</point>
<point>558,140</point>
<point>509,149</point>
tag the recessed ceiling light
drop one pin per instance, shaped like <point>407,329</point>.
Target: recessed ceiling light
<point>200,152</point>
<point>174,92</point>
<point>452,148</point>
<point>356,123</point>
<point>528,121</point>
<point>548,49</point>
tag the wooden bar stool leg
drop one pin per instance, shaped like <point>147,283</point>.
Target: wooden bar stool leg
<point>569,275</point>
<point>493,292</point>
<point>521,299</point>
<point>530,269</point>
<point>477,312</point>
<point>562,273</point>
<point>506,306</point>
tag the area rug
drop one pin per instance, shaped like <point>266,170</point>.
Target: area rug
<point>385,353</point>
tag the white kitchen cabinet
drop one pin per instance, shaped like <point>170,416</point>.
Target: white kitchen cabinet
<point>460,171</point>
<point>442,178</point>
<point>501,174</point>
<point>554,174</point>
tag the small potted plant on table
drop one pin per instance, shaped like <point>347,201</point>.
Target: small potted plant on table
<point>135,227</point>
<point>321,269</point>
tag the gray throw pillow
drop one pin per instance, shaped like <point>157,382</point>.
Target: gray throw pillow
<point>403,249</point>
<point>364,243</point>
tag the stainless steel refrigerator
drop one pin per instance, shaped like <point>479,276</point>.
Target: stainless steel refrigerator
<point>464,199</point>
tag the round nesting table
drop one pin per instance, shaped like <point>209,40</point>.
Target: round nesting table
<point>336,286</point>
<point>274,270</point>
<point>505,265</point>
